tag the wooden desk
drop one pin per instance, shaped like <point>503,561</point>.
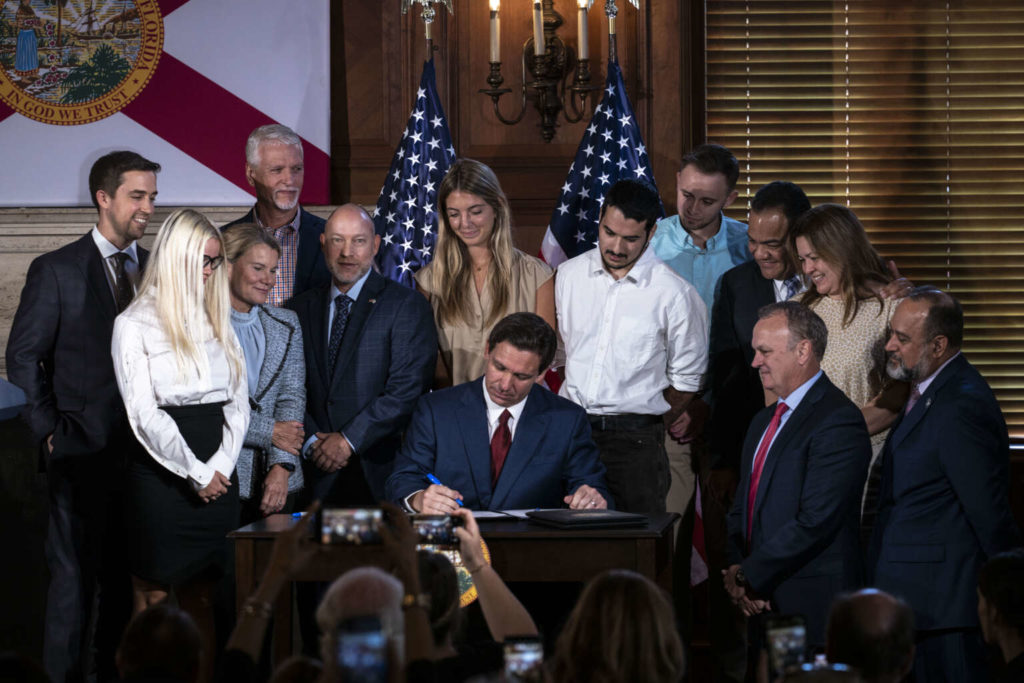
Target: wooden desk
<point>520,551</point>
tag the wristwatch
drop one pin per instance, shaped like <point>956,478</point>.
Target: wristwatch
<point>741,578</point>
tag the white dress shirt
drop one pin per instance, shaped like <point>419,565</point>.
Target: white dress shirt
<point>494,412</point>
<point>627,340</point>
<point>148,377</point>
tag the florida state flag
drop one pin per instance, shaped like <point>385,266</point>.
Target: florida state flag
<point>182,82</point>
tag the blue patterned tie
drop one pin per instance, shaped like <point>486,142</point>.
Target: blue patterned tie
<point>342,305</point>
<point>792,286</point>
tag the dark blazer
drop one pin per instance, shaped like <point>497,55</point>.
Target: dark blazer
<point>804,547</point>
<point>944,501</point>
<point>59,350</point>
<point>279,396</point>
<point>552,453</point>
<point>310,269</point>
<point>736,391</point>
<point>386,362</point>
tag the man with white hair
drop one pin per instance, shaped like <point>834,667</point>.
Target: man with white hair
<point>362,592</point>
<point>274,167</point>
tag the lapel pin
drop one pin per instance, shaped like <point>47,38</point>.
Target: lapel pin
<point>373,301</point>
<point>928,403</point>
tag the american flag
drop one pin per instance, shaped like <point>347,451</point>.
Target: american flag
<point>405,217</point>
<point>611,150</point>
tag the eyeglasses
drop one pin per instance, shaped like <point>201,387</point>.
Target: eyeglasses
<point>212,262</point>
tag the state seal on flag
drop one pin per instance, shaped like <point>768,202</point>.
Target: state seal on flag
<point>69,62</point>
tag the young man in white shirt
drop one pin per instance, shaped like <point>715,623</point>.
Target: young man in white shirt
<point>635,338</point>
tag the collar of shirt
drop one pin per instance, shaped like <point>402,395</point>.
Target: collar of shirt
<point>107,249</point>
<point>494,411</point>
<point>923,385</point>
<point>293,224</point>
<point>797,395</point>
<point>353,291</point>
<point>792,401</point>
<point>639,274</point>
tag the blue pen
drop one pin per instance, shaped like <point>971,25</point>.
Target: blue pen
<point>434,480</point>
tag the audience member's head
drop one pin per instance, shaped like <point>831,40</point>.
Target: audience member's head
<point>773,210</point>
<point>1001,602</point>
<point>828,674</point>
<point>873,632</point>
<point>439,581</point>
<point>160,642</point>
<point>298,669</point>
<point>927,330</point>
<point>836,256</point>
<point>360,592</point>
<point>622,629</point>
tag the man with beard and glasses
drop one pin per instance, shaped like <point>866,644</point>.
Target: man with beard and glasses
<point>943,506</point>
<point>635,338</point>
<point>59,354</point>
<point>274,167</point>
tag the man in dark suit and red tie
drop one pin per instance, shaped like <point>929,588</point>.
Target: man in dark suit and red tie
<point>371,349</point>
<point>943,506</point>
<point>793,528</point>
<point>502,441</point>
<point>59,354</point>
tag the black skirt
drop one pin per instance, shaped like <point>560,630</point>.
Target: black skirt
<point>174,535</point>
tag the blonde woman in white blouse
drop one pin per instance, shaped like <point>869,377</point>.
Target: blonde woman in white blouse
<point>182,377</point>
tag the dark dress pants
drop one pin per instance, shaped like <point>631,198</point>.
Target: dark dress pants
<point>89,597</point>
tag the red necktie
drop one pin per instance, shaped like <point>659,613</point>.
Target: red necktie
<point>500,443</point>
<point>759,458</point>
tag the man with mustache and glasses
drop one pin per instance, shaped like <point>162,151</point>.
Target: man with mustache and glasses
<point>943,506</point>
<point>59,354</point>
<point>274,167</point>
<point>635,338</point>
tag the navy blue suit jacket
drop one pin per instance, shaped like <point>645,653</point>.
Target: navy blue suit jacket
<point>386,362</point>
<point>944,501</point>
<point>805,545</point>
<point>736,391</point>
<point>58,352</point>
<point>552,453</point>
<point>310,268</point>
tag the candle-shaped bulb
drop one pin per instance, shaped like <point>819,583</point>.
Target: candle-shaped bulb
<point>495,32</point>
<point>581,30</point>
<point>538,29</point>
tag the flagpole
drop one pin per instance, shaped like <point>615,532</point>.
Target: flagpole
<point>611,11</point>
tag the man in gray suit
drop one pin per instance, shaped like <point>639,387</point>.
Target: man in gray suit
<point>371,347</point>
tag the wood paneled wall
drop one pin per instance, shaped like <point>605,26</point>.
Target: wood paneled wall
<point>376,61</point>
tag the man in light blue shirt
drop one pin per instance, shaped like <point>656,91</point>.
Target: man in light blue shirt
<point>700,243</point>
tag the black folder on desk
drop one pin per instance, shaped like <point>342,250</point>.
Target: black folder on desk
<point>586,519</point>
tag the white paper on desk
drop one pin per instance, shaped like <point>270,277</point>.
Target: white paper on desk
<point>489,514</point>
<point>521,514</point>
